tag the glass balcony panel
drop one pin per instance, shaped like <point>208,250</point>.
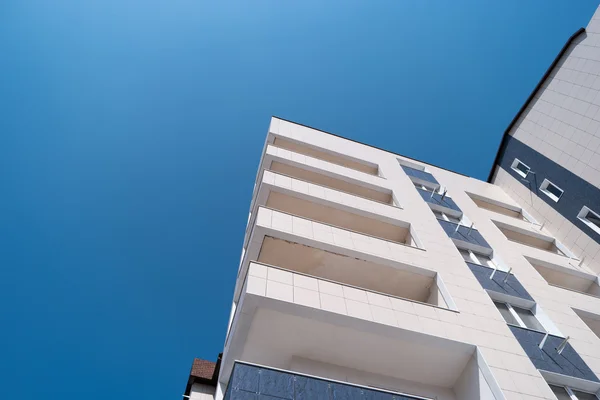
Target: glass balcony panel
<point>261,383</point>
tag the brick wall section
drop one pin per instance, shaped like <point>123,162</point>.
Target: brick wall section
<point>203,369</point>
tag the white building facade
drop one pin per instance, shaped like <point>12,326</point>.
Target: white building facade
<point>369,275</point>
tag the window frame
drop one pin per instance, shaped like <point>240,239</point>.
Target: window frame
<point>582,216</point>
<point>474,259</point>
<point>570,392</point>
<point>544,189</point>
<point>514,165</point>
<point>446,217</point>
<point>517,318</point>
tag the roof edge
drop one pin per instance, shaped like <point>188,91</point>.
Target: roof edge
<point>502,145</point>
<point>368,145</point>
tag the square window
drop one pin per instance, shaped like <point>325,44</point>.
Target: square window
<point>590,218</point>
<point>551,190</point>
<point>520,168</point>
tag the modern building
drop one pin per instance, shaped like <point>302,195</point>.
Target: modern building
<point>366,274</point>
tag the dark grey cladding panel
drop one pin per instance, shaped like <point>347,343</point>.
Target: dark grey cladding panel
<point>464,234</point>
<point>419,174</point>
<point>567,363</point>
<point>250,382</point>
<point>577,191</point>
<point>511,287</point>
<point>437,199</point>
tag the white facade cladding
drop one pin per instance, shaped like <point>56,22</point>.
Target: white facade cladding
<point>366,274</point>
<point>549,160</point>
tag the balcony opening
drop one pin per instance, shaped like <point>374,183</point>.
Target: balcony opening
<point>530,239</point>
<point>567,279</point>
<point>325,155</point>
<point>383,196</point>
<point>497,207</point>
<point>351,271</point>
<point>591,320</point>
<point>312,358</point>
<point>340,218</point>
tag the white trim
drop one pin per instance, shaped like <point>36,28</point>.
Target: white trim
<point>544,189</point>
<point>518,171</point>
<point>570,392</point>
<point>516,316</point>
<point>553,378</point>
<point>583,217</point>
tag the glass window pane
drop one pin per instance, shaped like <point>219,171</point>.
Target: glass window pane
<point>484,260</point>
<point>560,392</point>
<point>508,317</point>
<point>438,214</point>
<point>593,218</point>
<point>584,396</point>
<point>529,319</point>
<point>554,190</point>
<point>465,255</point>
<point>453,219</point>
<point>521,167</point>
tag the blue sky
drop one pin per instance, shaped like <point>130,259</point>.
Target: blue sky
<point>130,134</point>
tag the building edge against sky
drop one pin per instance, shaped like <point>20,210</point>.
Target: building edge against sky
<point>367,274</point>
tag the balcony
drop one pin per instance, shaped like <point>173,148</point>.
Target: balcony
<point>591,320</point>
<point>497,207</point>
<point>530,238</point>
<point>341,269</point>
<point>466,237</point>
<point>257,382</point>
<point>572,279</point>
<point>325,155</point>
<point>381,195</point>
<point>340,216</point>
<point>294,322</point>
<point>501,282</point>
<point>436,202</point>
<point>547,359</point>
<point>420,176</point>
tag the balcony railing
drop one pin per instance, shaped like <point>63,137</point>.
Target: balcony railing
<point>501,282</point>
<point>568,362</point>
<point>250,381</point>
<point>464,234</point>
<point>437,199</point>
<point>420,175</point>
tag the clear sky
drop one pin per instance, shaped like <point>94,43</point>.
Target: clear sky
<point>130,134</point>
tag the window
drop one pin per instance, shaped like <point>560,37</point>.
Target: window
<point>438,214</point>
<point>551,190</point>
<point>476,258</point>
<point>419,186</point>
<point>590,218</point>
<point>567,393</point>
<point>446,217</point>
<point>506,313</point>
<point>519,316</point>
<point>520,168</point>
